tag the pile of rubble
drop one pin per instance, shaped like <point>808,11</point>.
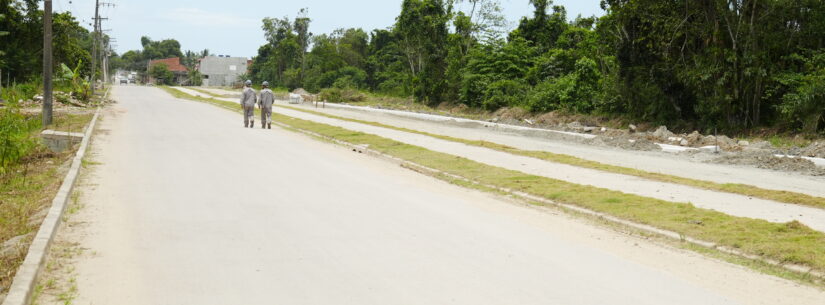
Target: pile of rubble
<point>61,100</point>
<point>766,159</point>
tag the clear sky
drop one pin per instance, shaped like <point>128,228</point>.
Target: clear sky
<point>233,28</point>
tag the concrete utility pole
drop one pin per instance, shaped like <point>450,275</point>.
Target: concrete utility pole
<point>47,64</point>
<point>94,48</point>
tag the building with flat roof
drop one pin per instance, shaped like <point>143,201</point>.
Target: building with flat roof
<point>222,70</point>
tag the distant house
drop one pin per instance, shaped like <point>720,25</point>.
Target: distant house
<point>173,64</point>
<point>222,70</point>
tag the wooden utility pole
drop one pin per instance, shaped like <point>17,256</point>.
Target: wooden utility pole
<point>94,48</point>
<point>47,64</point>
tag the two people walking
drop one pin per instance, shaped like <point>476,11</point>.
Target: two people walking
<point>248,100</point>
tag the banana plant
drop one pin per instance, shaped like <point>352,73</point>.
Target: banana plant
<point>72,77</point>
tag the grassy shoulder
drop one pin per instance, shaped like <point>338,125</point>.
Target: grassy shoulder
<point>26,191</point>
<point>786,242</point>
<point>741,189</point>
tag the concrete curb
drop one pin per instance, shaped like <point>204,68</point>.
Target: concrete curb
<point>528,197</point>
<point>23,285</point>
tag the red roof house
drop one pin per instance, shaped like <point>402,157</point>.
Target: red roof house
<point>172,63</point>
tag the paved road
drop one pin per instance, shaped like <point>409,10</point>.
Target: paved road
<point>729,203</point>
<point>188,207</point>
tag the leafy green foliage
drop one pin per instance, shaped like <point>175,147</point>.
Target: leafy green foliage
<point>15,136</point>
<point>705,64</point>
<point>195,78</point>
<point>804,104</point>
<point>74,80</point>
<point>2,33</point>
<point>22,22</point>
<point>161,73</point>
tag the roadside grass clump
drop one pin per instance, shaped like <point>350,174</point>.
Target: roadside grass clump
<point>790,242</point>
<point>15,136</point>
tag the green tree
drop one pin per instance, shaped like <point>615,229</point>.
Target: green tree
<point>303,35</point>
<point>161,73</point>
<point>2,33</point>
<point>542,29</point>
<point>803,105</point>
<point>195,77</point>
<point>422,30</point>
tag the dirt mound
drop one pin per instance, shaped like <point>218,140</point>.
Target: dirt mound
<point>815,150</point>
<point>624,142</point>
<point>301,91</point>
<point>515,113</point>
<point>767,160</point>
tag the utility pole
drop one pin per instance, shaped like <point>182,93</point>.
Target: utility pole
<point>47,64</point>
<point>97,45</point>
<point>94,48</point>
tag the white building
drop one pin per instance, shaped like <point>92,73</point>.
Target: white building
<point>222,70</point>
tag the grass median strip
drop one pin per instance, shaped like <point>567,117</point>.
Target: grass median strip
<point>735,188</point>
<point>790,242</point>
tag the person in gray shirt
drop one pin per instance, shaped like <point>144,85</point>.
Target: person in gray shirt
<point>265,102</point>
<point>248,100</point>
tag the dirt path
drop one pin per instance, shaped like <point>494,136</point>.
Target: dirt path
<point>188,207</point>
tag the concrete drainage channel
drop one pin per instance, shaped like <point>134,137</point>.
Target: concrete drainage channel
<point>24,281</point>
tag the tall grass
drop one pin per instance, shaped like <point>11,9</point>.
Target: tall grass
<point>16,139</point>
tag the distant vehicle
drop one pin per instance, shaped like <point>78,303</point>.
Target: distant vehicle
<point>124,81</point>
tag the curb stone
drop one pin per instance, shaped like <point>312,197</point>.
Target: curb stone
<point>23,285</point>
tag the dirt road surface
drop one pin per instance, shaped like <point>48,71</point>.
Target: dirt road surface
<point>188,207</point>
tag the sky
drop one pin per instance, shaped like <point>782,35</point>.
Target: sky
<point>234,27</point>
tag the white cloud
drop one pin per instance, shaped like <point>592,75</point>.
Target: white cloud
<point>202,18</point>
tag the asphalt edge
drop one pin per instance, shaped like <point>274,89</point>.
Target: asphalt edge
<point>800,269</point>
<point>23,285</point>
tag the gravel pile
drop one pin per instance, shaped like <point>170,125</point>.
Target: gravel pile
<point>767,160</point>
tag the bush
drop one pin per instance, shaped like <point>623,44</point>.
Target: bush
<point>504,93</point>
<point>162,74</point>
<point>337,95</point>
<point>575,92</point>
<point>15,137</point>
<point>19,92</point>
<point>473,87</point>
<point>552,94</point>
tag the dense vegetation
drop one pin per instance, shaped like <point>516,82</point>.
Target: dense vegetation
<point>728,64</point>
<point>21,50</point>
